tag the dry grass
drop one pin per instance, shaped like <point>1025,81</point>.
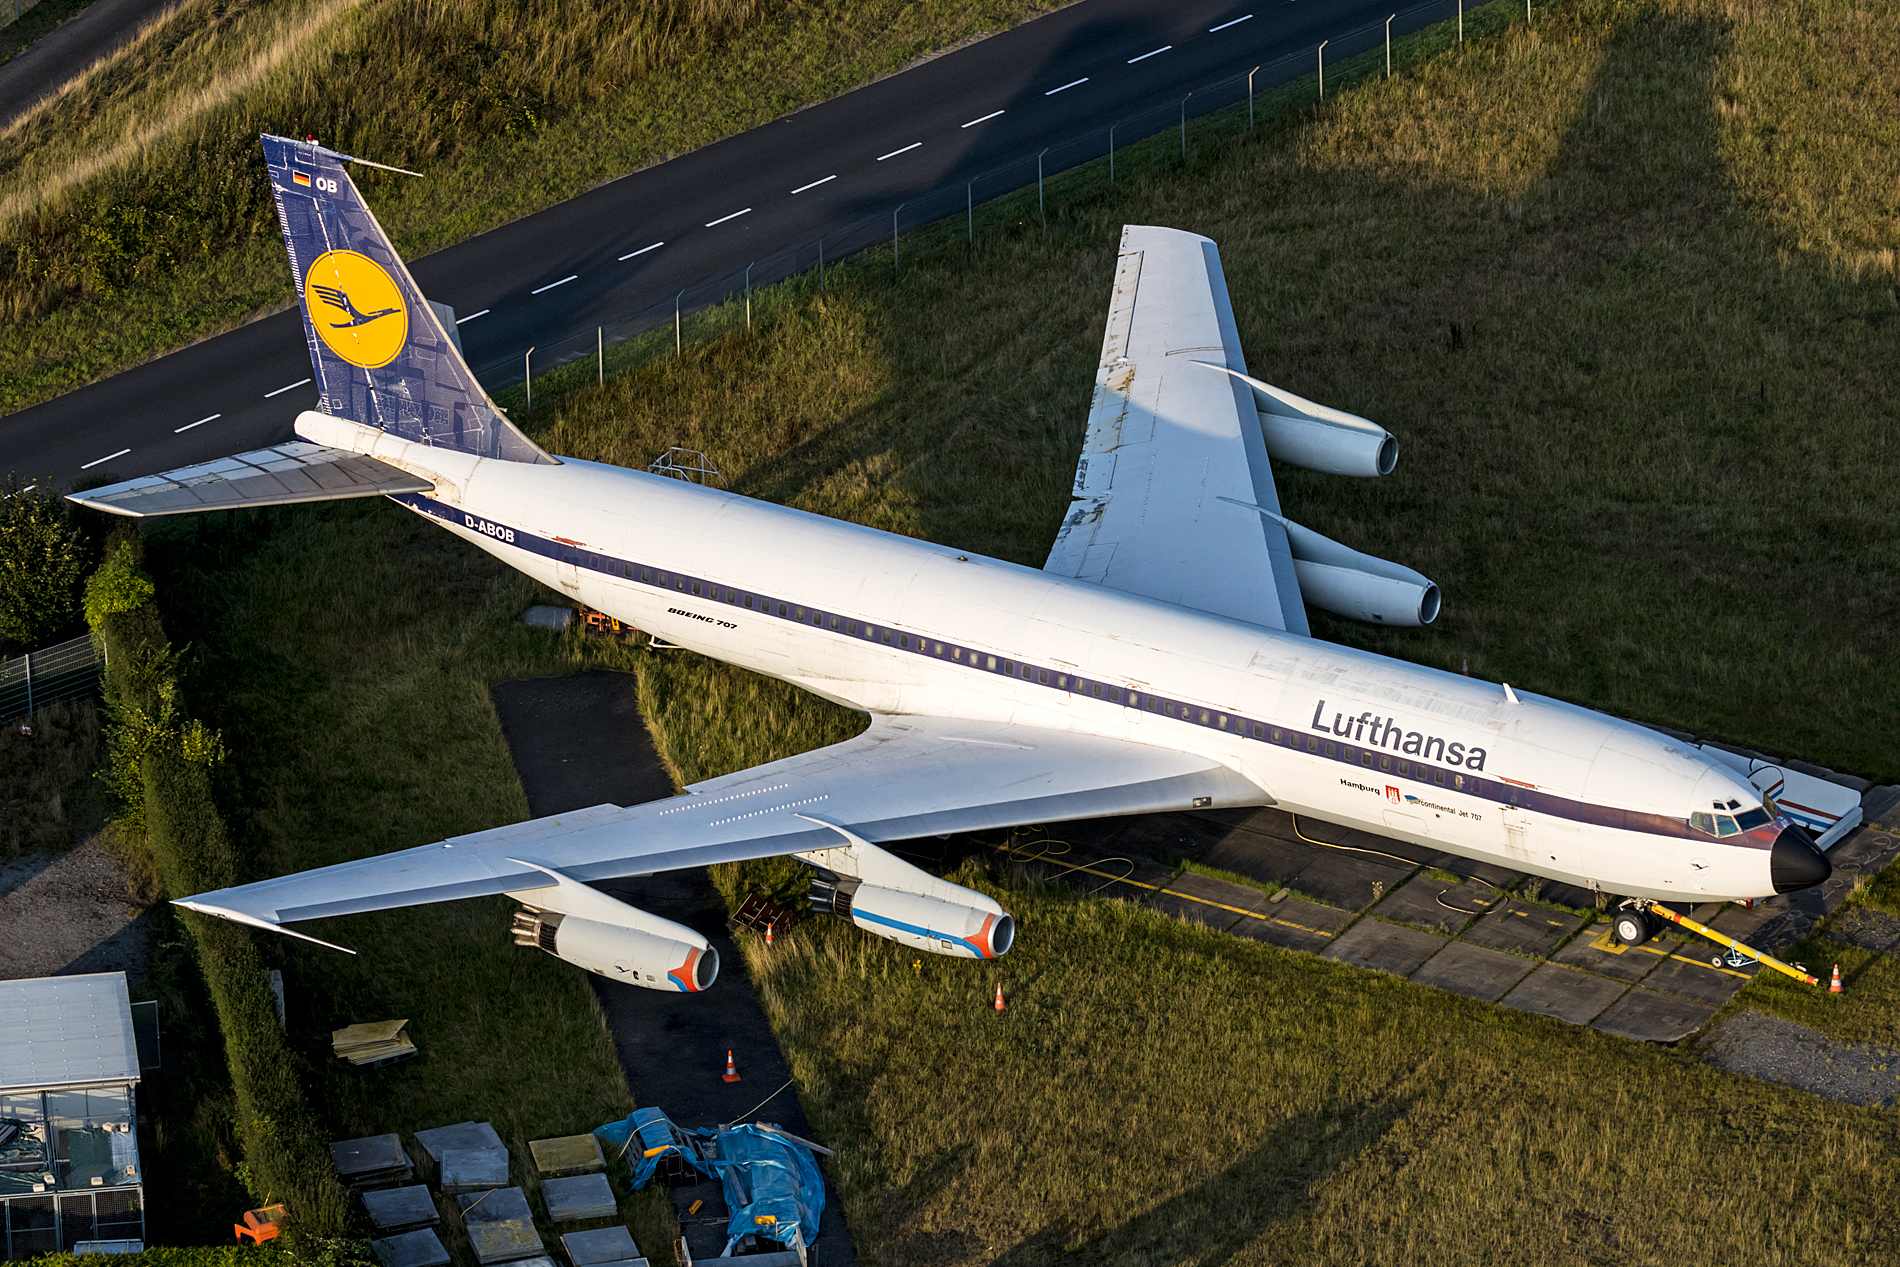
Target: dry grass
<point>136,216</point>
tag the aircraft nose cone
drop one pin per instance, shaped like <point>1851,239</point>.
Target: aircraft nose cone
<point>1794,862</point>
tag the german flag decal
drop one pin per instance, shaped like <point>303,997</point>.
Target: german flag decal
<point>301,179</point>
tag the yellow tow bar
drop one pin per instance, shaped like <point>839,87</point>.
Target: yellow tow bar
<point>1747,952</point>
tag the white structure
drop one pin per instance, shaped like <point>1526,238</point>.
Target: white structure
<point>1160,660</point>
<point>69,1071</point>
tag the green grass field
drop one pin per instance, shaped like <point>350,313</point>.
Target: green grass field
<point>135,216</point>
<point>1648,474</point>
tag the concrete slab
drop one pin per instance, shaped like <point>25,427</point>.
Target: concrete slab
<point>1600,953</point>
<point>1649,1016</point>
<point>461,1135</point>
<point>1390,948</point>
<point>1698,979</point>
<point>358,1160</point>
<point>394,1210</point>
<point>1259,857</point>
<point>505,1241</point>
<point>1346,879</point>
<point>1524,927</point>
<point>1294,924</point>
<point>604,1245</point>
<point>472,1169</point>
<point>496,1205</point>
<point>1538,889</point>
<point>567,1154</point>
<point>1471,869</point>
<point>1564,993</point>
<point>1443,906</point>
<point>1473,971</point>
<point>1204,900</point>
<point>575,1197</point>
<point>411,1249</point>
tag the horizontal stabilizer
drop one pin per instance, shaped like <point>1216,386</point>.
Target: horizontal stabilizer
<point>278,476</point>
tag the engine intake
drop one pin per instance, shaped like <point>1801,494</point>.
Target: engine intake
<point>1343,581</point>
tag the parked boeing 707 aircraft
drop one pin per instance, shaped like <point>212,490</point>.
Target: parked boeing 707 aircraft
<point>1160,659</point>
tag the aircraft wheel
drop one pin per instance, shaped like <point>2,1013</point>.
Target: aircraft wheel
<point>1633,928</point>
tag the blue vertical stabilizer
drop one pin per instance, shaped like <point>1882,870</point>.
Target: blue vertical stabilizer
<point>382,358</point>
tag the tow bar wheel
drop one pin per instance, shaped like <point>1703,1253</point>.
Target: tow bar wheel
<point>1633,928</point>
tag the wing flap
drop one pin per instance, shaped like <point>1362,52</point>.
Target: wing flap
<point>279,476</point>
<point>902,778</point>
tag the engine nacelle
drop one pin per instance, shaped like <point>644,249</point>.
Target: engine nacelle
<point>981,930</point>
<point>664,956</point>
<point>1319,437</point>
<point>1343,581</point>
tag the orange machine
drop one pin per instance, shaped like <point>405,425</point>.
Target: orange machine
<point>260,1225</point>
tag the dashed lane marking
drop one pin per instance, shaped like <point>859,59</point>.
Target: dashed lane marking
<point>471,316</point>
<point>827,180</point>
<point>722,219</point>
<point>1223,26</point>
<point>1072,83</point>
<point>107,458</point>
<point>551,285</point>
<point>281,390</point>
<point>894,153</point>
<point>643,250</point>
<point>1145,56</point>
<point>201,422</point>
<point>985,119</point>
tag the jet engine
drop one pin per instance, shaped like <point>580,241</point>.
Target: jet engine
<point>1319,437</point>
<point>662,956</point>
<point>604,935</point>
<point>915,919</point>
<point>1343,581</point>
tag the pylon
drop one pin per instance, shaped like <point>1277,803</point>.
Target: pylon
<point>732,1070</point>
<point>768,934</point>
<point>999,996</point>
<point>1834,987</point>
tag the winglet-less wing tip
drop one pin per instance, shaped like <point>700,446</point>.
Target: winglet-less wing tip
<point>205,908</point>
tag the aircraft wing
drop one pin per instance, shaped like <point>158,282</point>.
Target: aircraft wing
<point>277,476</point>
<point>1174,469</point>
<point>904,777</point>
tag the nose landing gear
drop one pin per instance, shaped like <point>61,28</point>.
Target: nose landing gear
<point>1634,925</point>
<point>1637,921</point>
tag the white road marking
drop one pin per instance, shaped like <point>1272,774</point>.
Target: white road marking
<point>894,153</point>
<point>107,458</point>
<point>643,250</point>
<point>201,422</point>
<point>802,188</point>
<point>722,219</point>
<point>551,285</point>
<point>471,316</point>
<point>985,119</point>
<point>281,390</point>
<point>1145,56</point>
<point>1072,83</point>
<point>1223,26</point>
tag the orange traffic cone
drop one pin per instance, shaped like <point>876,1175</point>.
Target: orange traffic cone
<point>999,996</point>
<point>732,1070</point>
<point>1834,987</point>
<point>768,934</point>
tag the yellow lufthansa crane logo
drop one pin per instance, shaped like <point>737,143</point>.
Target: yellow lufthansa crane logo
<point>356,307</point>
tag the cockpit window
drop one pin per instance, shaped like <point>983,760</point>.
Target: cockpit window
<point>1725,826</point>
<point>1703,822</point>
<point>1749,820</point>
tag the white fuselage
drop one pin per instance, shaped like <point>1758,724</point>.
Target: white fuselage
<point>891,625</point>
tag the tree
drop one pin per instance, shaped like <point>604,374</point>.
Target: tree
<point>42,561</point>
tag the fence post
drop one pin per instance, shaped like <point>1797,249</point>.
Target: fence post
<point>969,209</point>
<point>1184,102</point>
<point>821,266</point>
<point>1040,211</point>
<point>748,295</point>
<point>1111,152</point>
<point>1322,68</point>
<point>29,684</point>
<point>676,322</point>
<point>1461,21</point>
<point>1388,46</point>
<point>1250,75</point>
<point>527,375</point>
<point>894,211</point>
<point>600,352</point>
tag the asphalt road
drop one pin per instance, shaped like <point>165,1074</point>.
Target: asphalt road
<point>638,240</point>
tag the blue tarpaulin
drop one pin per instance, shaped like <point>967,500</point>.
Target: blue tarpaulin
<point>771,1182</point>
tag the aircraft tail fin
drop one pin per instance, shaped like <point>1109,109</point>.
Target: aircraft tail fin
<point>382,357</point>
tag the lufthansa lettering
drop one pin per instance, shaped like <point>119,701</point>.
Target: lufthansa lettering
<point>1383,732</point>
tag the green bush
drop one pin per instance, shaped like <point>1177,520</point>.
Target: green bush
<point>161,767</point>
<point>120,585</point>
<point>42,559</point>
<point>269,1255</point>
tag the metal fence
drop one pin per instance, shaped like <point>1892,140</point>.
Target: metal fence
<point>67,670</point>
<point>10,10</point>
<point>1346,57</point>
